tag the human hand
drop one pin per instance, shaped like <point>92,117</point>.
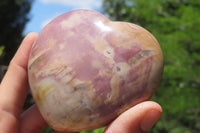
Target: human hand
<point>14,89</point>
<point>138,119</point>
<point>13,92</point>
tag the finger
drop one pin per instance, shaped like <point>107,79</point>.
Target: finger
<point>32,121</point>
<point>14,85</point>
<point>138,119</point>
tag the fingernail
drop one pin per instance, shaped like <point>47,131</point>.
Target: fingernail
<point>150,119</point>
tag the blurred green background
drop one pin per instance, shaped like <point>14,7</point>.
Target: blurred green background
<point>175,24</point>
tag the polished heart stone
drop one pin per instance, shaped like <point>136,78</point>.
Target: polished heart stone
<point>84,70</point>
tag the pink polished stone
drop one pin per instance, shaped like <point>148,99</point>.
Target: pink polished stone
<point>84,70</point>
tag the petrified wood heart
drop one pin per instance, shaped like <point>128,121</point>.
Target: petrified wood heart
<point>84,70</point>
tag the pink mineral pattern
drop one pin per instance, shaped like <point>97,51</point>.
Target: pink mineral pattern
<point>84,70</point>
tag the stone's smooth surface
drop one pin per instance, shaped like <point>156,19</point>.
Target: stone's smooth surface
<point>84,70</point>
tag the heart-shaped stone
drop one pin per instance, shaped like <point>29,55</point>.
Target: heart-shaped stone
<point>84,70</point>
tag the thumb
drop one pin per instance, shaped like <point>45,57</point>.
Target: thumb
<point>138,119</point>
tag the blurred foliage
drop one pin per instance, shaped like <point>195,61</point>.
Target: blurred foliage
<point>48,130</point>
<point>1,50</point>
<point>100,130</point>
<point>176,25</point>
<point>14,15</point>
